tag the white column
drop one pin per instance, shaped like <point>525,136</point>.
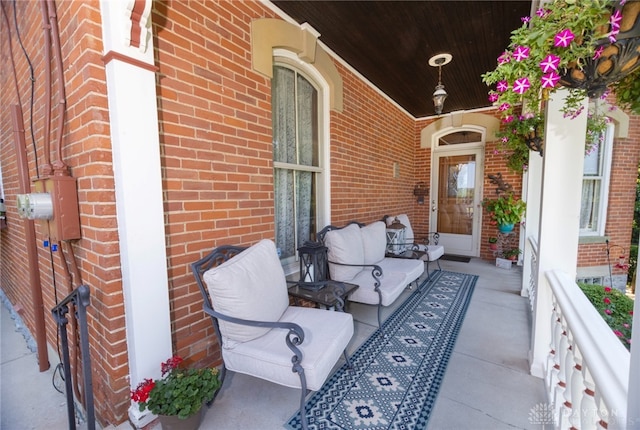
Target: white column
<point>131,89</point>
<point>532,184</point>
<point>559,214</point>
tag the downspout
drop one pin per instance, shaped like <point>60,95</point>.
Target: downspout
<point>30,242</point>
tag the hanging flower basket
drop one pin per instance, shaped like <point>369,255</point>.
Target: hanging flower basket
<point>587,46</point>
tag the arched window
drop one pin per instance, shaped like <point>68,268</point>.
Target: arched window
<point>299,160</point>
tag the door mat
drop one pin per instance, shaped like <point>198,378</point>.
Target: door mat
<point>460,258</point>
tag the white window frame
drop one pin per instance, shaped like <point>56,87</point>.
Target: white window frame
<point>288,59</point>
<point>605,178</point>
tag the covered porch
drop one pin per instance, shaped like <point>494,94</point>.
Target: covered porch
<point>487,384</point>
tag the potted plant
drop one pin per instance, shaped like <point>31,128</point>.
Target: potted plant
<point>505,211</point>
<point>587,46</point>
<point>493,243</point>
<point>179,394</point>
<point>512,254</point>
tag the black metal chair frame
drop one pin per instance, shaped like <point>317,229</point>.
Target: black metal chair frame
<point>415,246</point>
<point>293,338</point>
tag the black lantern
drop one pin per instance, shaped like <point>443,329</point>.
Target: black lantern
<point>313,265</point>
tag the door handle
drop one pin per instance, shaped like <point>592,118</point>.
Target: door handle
<point>433,206</point>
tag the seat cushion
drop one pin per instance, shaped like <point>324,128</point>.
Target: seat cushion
<point>374,242</point>
<point>432,252</point>
<point>392,284</point>
<point>327,334</point>
<point>345,246</point>
<point>413,269</point>
<point>250,286</point>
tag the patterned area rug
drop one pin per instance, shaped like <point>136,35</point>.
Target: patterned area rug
<point>397,372</point>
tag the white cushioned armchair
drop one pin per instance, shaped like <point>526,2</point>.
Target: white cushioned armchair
<point>245,294</point>
<point>427,243</point>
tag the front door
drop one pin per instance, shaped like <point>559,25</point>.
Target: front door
<point>455,199</point>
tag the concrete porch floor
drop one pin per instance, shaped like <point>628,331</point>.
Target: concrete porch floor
<point>486,386</point>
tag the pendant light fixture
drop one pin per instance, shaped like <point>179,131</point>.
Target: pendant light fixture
<point>439,94</point>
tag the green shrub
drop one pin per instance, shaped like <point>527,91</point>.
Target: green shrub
<point>614,307</point>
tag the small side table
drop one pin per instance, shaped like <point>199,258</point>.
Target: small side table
<point>333,295</point>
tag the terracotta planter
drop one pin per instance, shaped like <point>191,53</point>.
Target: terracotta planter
<point>493,246</point>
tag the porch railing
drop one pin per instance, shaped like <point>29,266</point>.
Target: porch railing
<point>588,367</point>
<point>76,304</point>
<point>532,284</point>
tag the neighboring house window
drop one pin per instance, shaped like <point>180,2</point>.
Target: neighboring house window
<point>296,105</point>
<point>595,187</point>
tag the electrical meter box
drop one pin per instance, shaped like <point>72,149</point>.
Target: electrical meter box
<point>65,223</point>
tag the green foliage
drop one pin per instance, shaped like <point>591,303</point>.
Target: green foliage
<point>614,307</point>
<point>181,392</point>
<point>493,239</point>
<point>516,131</point>
<point>505,209</point>
<point>514,252</point>
<point>627,93</point>
<point>633,261</point>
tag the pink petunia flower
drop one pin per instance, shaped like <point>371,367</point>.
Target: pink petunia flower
<point>521,85</point>
<point>550,63</point>
<point>521,53</point>
<point>542,12</point>
<point>615,20</point>
<point>502,86</point>
<point>505,57</point>
<point>550,80</point>
<point>598,52</point>
<point>504,139</point>
<point>613,36</point>
<point>493,97</point>
<point>563,39</point>
<point>507,119</point>
<point>607,311</point>
<point>504,106</point>
<point>618,333</point>
<point>525,19</point>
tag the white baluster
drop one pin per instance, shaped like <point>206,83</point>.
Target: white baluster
<point>567,409</point>
<point>576,387</point>
<point>561,353</point>
<point>589,416</point>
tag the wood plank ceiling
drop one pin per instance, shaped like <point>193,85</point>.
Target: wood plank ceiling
<point>390,43</point>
